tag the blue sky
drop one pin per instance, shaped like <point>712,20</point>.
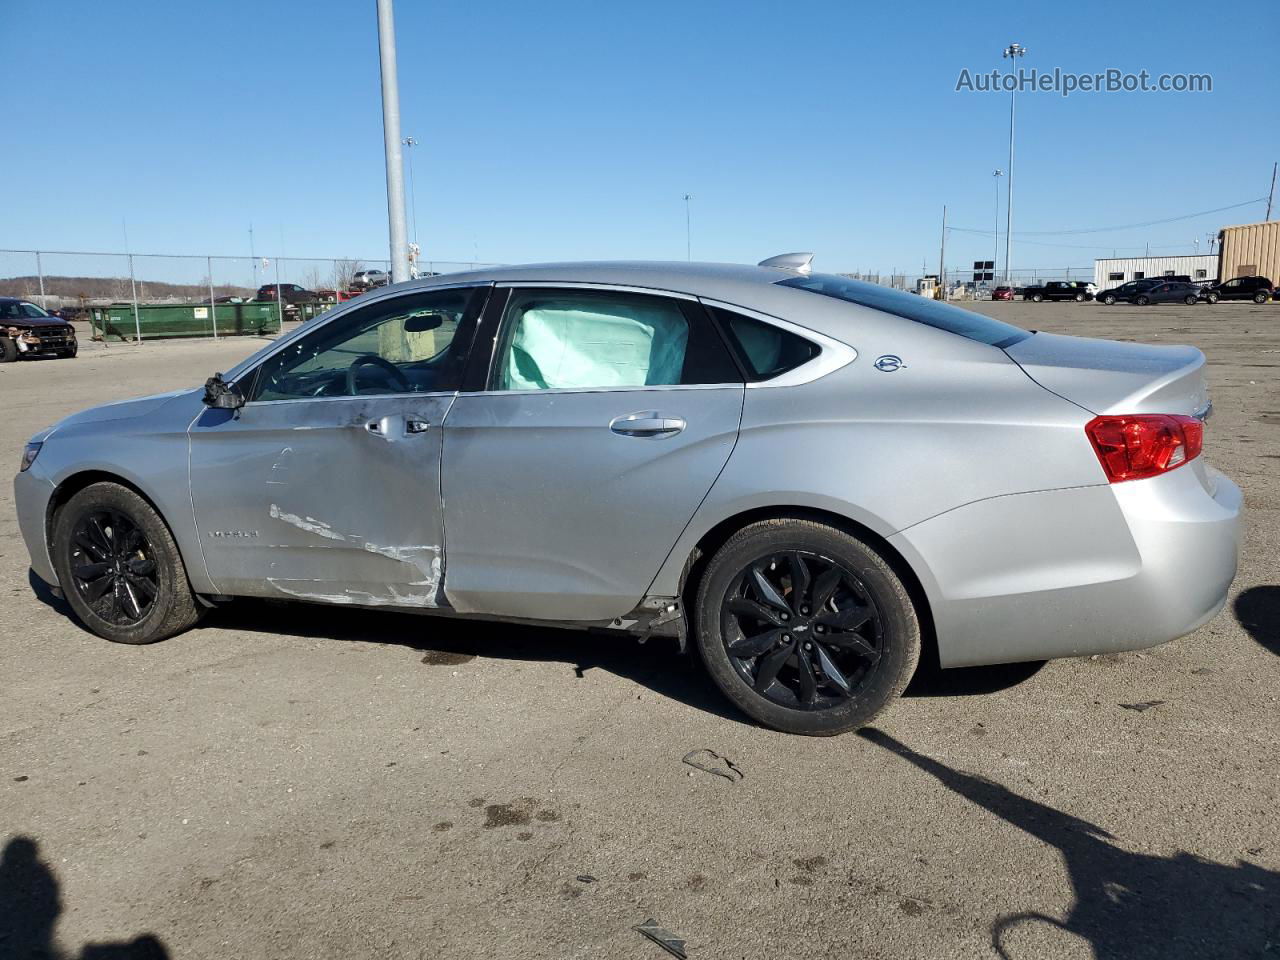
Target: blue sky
<point>571,130</point>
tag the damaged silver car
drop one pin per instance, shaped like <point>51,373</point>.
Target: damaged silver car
<point>818,481</point>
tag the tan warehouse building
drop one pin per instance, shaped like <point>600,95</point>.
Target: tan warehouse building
<point>1252,250</point>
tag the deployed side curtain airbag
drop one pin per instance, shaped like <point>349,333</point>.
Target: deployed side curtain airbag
<point>567,344</point>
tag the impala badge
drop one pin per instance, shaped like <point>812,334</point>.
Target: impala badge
<point>889,363</point>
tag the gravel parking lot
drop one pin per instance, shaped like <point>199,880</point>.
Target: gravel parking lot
<point>290,781</point>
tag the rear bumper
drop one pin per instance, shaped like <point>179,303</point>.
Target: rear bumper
<point>31,493</point>
<point>1079,571</point>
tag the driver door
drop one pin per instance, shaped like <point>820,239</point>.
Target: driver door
<point>325,485</point>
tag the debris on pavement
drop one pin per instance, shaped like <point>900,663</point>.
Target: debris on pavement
<point>1141,707</point>
<point>708,761</point>
<point>585,878</point>
<point>667,940</point>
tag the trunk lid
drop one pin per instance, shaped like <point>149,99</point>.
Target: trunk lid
<point>1107,376</point>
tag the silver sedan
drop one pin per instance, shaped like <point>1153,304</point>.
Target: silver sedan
<point>818,481</point>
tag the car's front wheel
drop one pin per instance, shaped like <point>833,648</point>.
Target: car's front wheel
<point>1109,300</point>
<point>1260,297</point>
<point>1190,300</point>
<point>1079,298</point>
<point>8,350</point>
<point>1212,297</point>
<point>1142,301</point>
<point>119,567</point>
<point>805,628</point>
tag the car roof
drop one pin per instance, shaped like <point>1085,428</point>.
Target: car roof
<point>717,281</point>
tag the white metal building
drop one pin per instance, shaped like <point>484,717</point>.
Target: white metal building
<point>1109,273</point>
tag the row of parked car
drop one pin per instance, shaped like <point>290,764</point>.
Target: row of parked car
<point>1172,289</point>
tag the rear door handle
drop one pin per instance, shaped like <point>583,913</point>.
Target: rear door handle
<point>648,424</point>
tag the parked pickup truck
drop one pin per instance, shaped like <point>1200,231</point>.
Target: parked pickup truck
<point>1076,290</point>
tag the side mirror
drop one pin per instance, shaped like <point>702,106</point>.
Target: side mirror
<point>422,322</point>
<point>221,395</point>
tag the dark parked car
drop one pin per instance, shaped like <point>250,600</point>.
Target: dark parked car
<point>1187,293</point>
<point>289,293</point>
<point>28,330</point>
<point>1002,293</point>
<point>1127,291</point>
<point>1076,290</point>
<point>1257,289</point>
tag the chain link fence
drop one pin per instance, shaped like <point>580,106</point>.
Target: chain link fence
<point>135,296</point>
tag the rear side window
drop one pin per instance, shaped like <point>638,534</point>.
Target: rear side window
<point>932,313</point>
<point>764,350</point>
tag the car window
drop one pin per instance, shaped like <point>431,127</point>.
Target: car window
<point>20,310</point>
<point>409,344</point>
<point>765,350</point>
<point>577,340</point>
<point>932,313</point>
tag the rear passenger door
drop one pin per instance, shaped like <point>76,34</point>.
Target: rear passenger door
<point>583,449</point>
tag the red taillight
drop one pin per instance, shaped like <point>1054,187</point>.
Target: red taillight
<point>1144,444</point>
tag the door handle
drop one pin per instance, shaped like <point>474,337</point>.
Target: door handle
<point>648,424</point>
<point>416,426</point>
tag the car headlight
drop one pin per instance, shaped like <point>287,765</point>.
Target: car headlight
<point>29,455</point>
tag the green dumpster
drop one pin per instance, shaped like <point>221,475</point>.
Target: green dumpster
<point>167,320</point>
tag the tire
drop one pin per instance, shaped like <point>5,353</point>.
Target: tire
<point>8,350</point>
<point>1142,301</point>
<point>1109,300</point>
<point>68,354</point>
<point>1036,298</point>
<point>1190,301</point>
<point>1079,298</point>
<point>874,659</point>
<point>109,526</point>
<point>1260,297</point>
<point>1212,298</point>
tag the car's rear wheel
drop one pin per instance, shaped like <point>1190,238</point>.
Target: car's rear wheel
<point>1036,298</point>
<point>1142,301</point>
<point>1260,297</point>
<point>1109,300</point>
<point>8,350</point>
<point>805,628</point>
<point>119,567</point>
<point>1079,298</point>
<point>1190,300</point>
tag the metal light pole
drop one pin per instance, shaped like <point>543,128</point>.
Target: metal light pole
<point>688,235</point>
<point>1013,51</point>
<point>410,142</point>
<point>391,143</point>
<point>995,232</point>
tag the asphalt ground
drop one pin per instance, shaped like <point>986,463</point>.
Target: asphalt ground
<point>293,781</point>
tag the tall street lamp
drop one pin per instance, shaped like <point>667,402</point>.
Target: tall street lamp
<point>1012,52</point>
<point>995,232</point>
<point>410,142</point>
<point>688,235</point>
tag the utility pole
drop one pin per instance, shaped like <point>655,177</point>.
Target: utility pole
<point>391,143</point>
<point>688,234</point>
<point>1012,52</point>
<point>942,257</point>
<point>1271,195</point>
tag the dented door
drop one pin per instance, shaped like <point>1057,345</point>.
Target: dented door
<point>333,499</point>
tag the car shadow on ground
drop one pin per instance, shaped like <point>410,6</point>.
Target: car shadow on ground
<point>30,904</point>
<point>1128,906</point>
<point>1258,610</point>
<point>656,665</point>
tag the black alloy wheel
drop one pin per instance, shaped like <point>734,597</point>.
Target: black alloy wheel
<point>801,630</point>
<point>113,567</point>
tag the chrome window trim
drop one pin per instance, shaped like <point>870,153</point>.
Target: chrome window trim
<point>306,328</point>
<point>583,285</point>
<point>359,396</point>
<point>643,388</point>
<point>832,356</point>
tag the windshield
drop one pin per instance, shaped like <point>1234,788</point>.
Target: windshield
<point>20,310</point>
<point>932,313</point>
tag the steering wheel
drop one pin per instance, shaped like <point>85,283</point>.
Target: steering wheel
<point>372,360</point>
